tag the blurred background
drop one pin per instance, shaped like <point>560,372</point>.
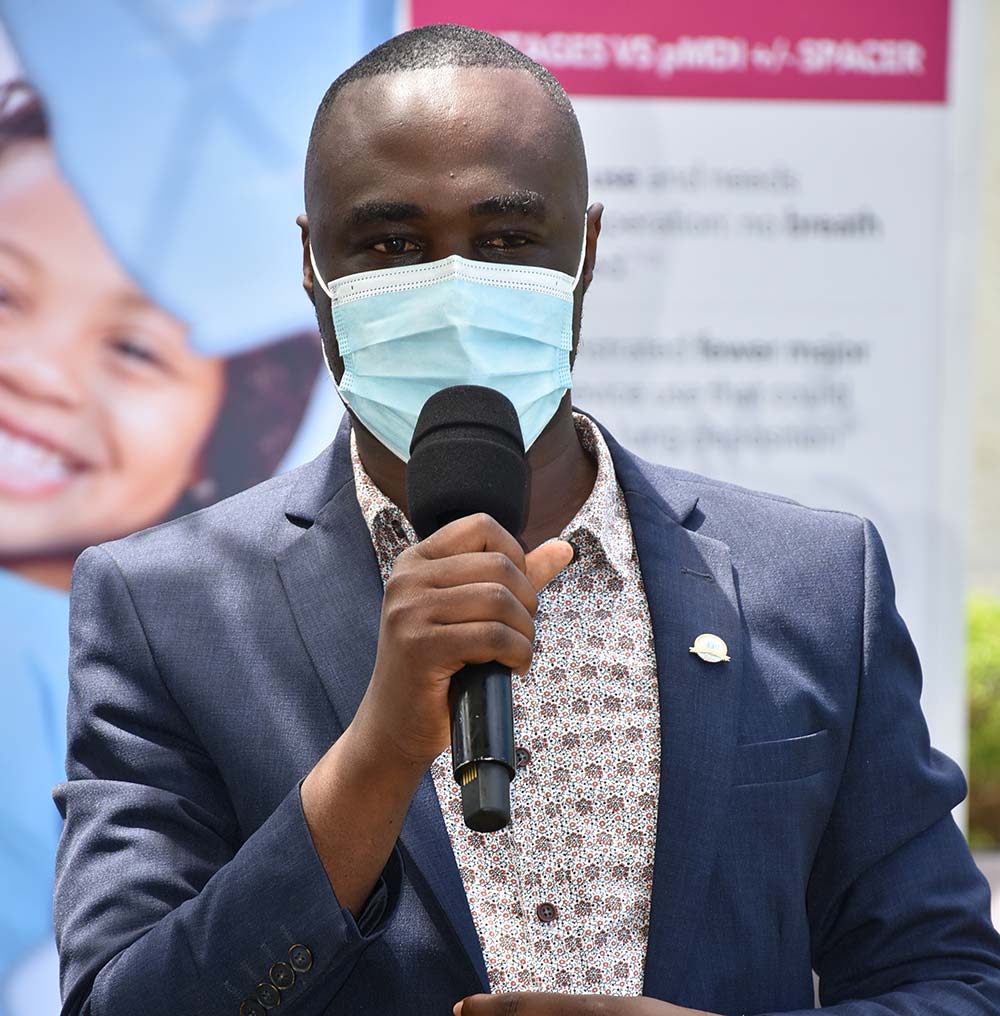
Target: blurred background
<point>983,558</point>
<point>798,289</point>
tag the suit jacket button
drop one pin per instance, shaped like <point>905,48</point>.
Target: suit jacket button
<point>267,994</point>
<point>301,958</point>
<point>282,976</point>
<point>251,1007</point>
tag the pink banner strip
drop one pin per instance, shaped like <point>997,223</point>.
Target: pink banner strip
<point>846,50</point>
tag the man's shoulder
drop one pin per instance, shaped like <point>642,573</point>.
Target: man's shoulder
<point>724,501</point>
<point>756,524</point>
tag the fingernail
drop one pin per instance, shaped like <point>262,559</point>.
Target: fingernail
<point>573,548</point>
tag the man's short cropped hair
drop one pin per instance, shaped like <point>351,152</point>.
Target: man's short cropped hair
<point>445,46</point>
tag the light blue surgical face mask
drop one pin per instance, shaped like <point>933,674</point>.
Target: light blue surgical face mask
<point>406,333</point>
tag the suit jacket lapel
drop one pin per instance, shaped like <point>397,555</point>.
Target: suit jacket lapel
<point>690,590</point>
<point>331,578</point>
<point>424,842</point>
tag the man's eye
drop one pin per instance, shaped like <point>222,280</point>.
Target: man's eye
<point>506,241</point>
<point>395,246</point>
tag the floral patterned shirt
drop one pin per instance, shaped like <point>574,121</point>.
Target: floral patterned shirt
<point>560,898</point>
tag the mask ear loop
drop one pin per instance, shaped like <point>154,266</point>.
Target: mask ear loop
<point>318,277</point>
<point>579,267</point>
<point>322,344</point>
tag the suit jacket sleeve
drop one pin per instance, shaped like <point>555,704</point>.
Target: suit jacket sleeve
<point>899,913</point>
<point>162,903</point>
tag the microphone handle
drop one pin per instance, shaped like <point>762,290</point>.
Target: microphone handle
<point>482,743</point>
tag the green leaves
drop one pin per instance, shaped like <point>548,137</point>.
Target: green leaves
<point>983,675</point>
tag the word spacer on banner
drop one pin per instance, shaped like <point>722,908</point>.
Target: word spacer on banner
<point>711,649</point>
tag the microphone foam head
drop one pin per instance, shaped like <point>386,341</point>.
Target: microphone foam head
<point>467,456</point>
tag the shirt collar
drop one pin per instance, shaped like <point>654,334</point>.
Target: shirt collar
<point>601,525</point>
<point>603,518</point>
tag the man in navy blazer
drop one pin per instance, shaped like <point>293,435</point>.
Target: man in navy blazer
<point>250,819</point>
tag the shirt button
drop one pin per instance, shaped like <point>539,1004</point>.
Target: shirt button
<point>267,994</point>
<point>301,958</point>
<point>251,1007</point>
<point>522,757</point>
<point>546,912</point>
<point>282,976</point>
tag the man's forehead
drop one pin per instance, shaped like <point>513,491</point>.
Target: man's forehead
<point>445,119</point>
<point>478,94</point>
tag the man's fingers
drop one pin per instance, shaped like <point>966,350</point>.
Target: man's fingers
<point>478,534</point>
<point>530,1003</point>
<point>466,569</point>
<point>470,535</point>
<point>521,1003</point>
<point>483,601</point>
<point>483,642</point>
<point>490,1005</point>
<point>544,563</point>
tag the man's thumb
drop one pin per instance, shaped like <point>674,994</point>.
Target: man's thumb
<point>544,563</point>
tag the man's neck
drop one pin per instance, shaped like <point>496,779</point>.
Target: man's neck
<point>562,475</point>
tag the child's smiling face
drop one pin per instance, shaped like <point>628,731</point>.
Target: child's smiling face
<point>104,408</point>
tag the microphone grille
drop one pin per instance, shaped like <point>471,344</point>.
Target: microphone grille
<point>467,456</point>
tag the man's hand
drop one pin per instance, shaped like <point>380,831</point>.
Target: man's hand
<point>466,594</point>
<point>529,1003</point>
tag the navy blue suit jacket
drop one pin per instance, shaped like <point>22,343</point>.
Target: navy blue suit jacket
<point>804,820</point>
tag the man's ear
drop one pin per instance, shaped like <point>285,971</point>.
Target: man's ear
<point>324,319</point>
<point>307,272</point>
<point>594,213</point>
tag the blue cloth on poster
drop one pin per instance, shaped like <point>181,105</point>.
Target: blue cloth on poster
<point>34,622</point>
<point>32,989</point>
<point>183,125</point>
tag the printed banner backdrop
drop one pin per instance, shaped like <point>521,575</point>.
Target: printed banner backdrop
<point>769,303</point>
<point>769,306</point>
<point>157,352</point>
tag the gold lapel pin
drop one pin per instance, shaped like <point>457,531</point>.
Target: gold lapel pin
<point>711,649</point>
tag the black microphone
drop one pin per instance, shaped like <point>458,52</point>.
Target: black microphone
<point>467,456</point>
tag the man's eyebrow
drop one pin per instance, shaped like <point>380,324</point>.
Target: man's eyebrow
<point>523,202</point>
<point>384,211</point>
